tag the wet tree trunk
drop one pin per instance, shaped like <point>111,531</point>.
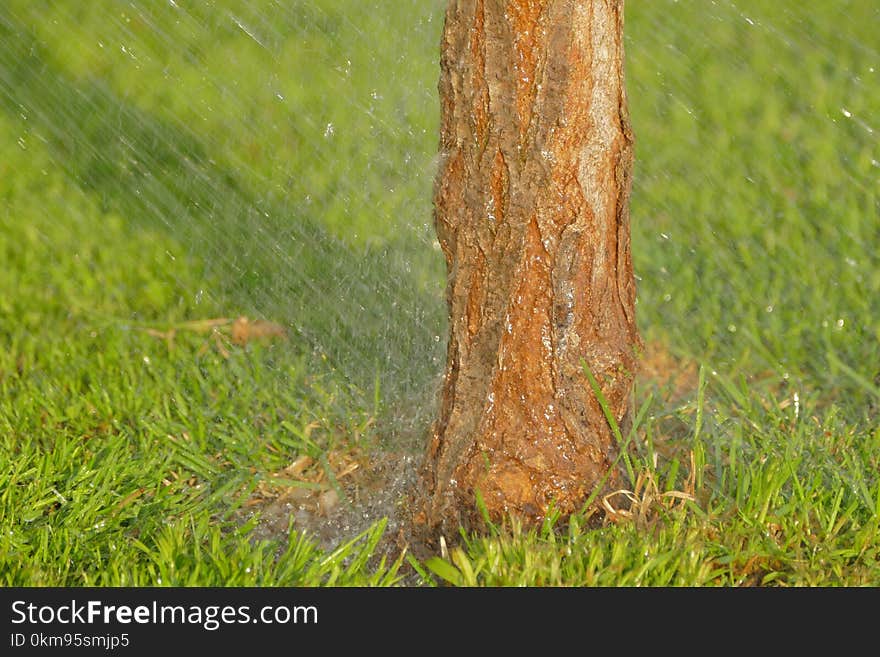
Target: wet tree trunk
<point>532,213</point>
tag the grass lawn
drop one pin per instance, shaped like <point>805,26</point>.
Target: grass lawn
<point>222,312</point>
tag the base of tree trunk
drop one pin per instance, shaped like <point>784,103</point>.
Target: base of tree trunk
<point>532,214</point>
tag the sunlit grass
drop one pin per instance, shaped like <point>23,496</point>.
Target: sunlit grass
<point>784,505</point>
<point>159,169</point>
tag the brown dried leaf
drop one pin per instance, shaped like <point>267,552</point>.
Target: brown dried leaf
<point>245,330</point>
<point>240,331</point>
<point>299,465</point>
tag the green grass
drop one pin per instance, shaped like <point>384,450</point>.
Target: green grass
<point>160,166</point>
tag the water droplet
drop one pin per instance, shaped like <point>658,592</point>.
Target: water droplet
<point>329,130</point>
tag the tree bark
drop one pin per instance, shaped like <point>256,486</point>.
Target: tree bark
<point>531,206</point>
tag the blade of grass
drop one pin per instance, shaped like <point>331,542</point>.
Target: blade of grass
<point>612,422</point>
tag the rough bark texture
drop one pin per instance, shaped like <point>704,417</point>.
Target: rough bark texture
<point>532,213</point>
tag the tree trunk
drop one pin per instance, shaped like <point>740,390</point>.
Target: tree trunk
<point>532,213</point>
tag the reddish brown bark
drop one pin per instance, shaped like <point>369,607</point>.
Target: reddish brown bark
<point>532,213</point>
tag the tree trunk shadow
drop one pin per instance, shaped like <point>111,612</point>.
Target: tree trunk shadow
<point>357,309</point>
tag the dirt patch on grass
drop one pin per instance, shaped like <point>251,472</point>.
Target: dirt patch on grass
<point>673,378</point>
<point>335,499</point>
